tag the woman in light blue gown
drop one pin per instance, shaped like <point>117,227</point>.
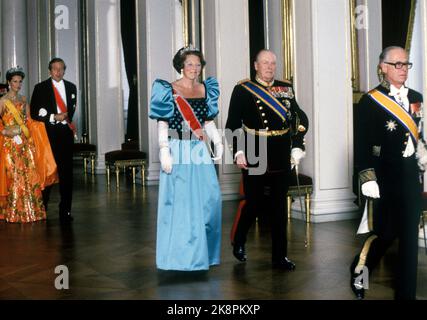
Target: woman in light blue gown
<point>189,204</point>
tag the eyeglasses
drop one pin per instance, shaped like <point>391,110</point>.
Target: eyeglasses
<point>400,65</point>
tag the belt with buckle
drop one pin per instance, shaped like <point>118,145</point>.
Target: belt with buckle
<point>266,133</point>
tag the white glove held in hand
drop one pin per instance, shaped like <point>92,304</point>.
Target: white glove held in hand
<point>164,154</point>
<point>370,189</point>
<point>421,155</point>
<point>213,134</point>
<point>296,155</point>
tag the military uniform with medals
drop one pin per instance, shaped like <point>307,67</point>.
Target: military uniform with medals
<point>251,114</point>
<point>387,155</point>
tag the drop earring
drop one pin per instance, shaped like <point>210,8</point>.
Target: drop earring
<point>182,73</point>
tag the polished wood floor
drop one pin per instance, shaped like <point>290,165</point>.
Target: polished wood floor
<point>110,253</point>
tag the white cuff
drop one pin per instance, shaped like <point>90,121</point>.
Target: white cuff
<point>52,119</point>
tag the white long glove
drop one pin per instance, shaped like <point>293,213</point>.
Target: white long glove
<point>164,154</point>
<point>296,155</point>
<point>370,189</point>
<point>213,134</point>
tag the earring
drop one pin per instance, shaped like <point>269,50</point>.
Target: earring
<point>182,73</point>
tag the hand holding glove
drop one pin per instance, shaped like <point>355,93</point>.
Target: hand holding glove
<point>240,160</point>
<point>164,154</point>
<point>296,155</point>
<point>370,189</point>
<point>421,155</point>
<point>213,134</point>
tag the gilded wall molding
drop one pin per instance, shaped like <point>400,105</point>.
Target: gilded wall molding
<point>185,20</point>
<point>355,76</point>
<point>287,39</point>
<point>411,25</point>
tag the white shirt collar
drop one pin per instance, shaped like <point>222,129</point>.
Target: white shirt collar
<point>58,82</point>
<point>402,92</point>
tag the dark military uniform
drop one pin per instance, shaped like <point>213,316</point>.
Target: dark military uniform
<point>251,113</point>
<point>396,214</point>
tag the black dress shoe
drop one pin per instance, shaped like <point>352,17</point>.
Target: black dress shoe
<point>356,285</point>
<point>66,218</point>
<point>239,252</point>
<point>284,264</point>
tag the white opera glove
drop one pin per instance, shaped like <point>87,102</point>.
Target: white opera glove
<point>370,189</point>
<point>166,160</point>
<point>296,155</point>
<point>213,134</point>
<point>164,154</point>
<point>421,155</point>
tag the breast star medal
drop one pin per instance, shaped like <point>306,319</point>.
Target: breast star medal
<point>391,125</point>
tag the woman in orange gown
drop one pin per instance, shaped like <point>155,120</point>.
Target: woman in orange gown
<point>24,150</point>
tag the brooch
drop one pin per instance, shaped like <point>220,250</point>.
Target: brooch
<point>391,125</point>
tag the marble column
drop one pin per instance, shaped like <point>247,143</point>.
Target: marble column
<point>67,46</point>
<point>323,89</point>
<point>14,36</point>
<point>369,32</point>
<point>274,32</point>
<point>104,76</point>
<point>226,47</point>
<point>160,35</point>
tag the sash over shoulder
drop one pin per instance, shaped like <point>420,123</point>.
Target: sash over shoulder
<point>162,102</point>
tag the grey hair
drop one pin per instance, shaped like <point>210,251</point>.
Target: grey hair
<point>261,52</point>
<point>386,51</point>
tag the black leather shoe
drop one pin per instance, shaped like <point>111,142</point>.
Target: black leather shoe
<point>284,264</point>
<point>66,218</point>
<point>356,285</point>
<point>239,252</point>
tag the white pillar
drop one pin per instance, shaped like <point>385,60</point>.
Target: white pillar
<point>159,37</point>
<point>14,36</point>
<point>67,46</point>
<point>274,32</point>
<point>369,33</point>
<point>323,87</point>
<point>226,46</point>
<point>104,76</point>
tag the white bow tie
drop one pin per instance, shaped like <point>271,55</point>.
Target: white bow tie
<point>402,92</point>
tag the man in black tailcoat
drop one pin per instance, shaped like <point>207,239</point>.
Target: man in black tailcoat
<point>54,102</point>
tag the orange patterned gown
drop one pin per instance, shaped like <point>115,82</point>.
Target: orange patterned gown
<point>22,202</point>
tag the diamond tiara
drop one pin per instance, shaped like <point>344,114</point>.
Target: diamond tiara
<point>16,69</point>
<point>190,47</point>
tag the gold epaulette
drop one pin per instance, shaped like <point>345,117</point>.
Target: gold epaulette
<point>287,81</point>
<point>243,81</point>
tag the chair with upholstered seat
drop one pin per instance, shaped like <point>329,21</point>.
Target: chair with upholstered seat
<point>129,157</point>
<point>306,189</point>
<point>86,151</point>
